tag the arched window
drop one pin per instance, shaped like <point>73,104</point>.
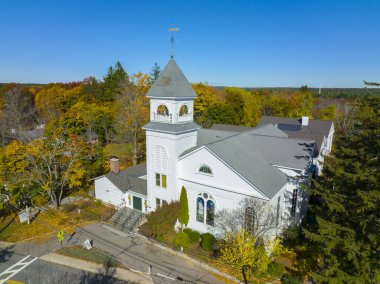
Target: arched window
<point>205,170</point>
<point>200,209</point>
<point>160,166</point>
<point>160,159</point>
<point>163,110</point>
<point>183,111</point>
<point>210,213</point>
<point>205,209</point>
<point>249,219</point>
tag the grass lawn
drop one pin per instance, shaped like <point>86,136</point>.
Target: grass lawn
<point>64,218</point>
<point>92,255</point>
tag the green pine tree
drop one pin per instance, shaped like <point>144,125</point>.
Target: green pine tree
<point>183,216</point>
<point>154,74</point>
<point>343,225</point>
<point>113,82</point>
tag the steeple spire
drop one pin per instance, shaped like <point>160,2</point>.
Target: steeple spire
<point>172,29</point>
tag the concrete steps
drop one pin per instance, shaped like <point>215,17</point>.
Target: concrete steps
<point>126,219</point>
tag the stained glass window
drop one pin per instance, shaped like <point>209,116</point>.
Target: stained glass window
<point>200,210</point>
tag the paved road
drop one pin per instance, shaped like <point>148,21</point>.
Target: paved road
<point>131,250</point>
<point>43,272</point>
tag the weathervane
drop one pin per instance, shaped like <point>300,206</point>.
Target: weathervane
<point>172,29</point>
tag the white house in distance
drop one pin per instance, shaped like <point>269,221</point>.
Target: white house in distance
<point>219,167</point>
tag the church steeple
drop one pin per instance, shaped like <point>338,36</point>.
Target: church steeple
<point>172,98</point>
<point>171,83</point>
<point>170,132</point>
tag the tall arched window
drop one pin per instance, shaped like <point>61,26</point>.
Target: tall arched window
<point>210,213</point>
<point>200,209</point>
<point>160,159</point>
<point>205,209</point>
<point>183,111</point>
<point>163,110</point>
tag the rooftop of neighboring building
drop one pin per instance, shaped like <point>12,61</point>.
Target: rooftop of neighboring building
<point>130,179</point>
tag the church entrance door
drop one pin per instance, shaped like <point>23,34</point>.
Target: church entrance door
<point>137,203</point>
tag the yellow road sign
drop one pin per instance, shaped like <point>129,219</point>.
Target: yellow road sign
<point>60,235</point>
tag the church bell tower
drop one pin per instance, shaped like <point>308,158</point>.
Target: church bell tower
<point>170,132</point>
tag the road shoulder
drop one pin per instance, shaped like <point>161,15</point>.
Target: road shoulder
<point>118,273</point>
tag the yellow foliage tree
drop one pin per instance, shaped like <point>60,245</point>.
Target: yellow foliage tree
<point>241,249</point>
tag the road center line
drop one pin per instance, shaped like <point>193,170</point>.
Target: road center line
<point>11,271</point>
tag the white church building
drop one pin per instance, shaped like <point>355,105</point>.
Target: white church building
<point>219,167</point>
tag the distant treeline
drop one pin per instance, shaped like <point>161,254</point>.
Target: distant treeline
<point>348,93</point>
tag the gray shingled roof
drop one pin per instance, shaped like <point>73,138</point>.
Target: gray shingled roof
<point>253,153</point>
<point>171,83</point>
<point>283,151</point>
<point>315,130</point>
<point>230,127</point>
<point>241,153</point>
<point>171,128</point>
<point>128,179</point>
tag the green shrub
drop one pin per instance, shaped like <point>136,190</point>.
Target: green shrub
<point>182,240</point>
<point>275,269</point>
<point>208,241</point>
<point>160,223</point>
<point>291,279</point>
<point>194,236</point>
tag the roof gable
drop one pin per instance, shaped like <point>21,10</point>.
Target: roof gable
<point>171,83</point>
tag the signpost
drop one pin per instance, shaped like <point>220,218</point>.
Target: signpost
<point>87,244</point>
<point>61,235</point>
<point>24,215</point>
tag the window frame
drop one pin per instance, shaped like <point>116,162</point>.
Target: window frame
<point>165,112</point>
<point>205,173</point>
<point>293,209</point>
<point>208,218</point>
<point>185,113</point>
<point>161,180</point>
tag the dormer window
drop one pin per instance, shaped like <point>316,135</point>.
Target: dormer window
<point>163,110</point>
<point>183,111</point>
<point>204,169</point>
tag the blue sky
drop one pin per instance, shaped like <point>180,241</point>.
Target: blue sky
<point>235,43</point>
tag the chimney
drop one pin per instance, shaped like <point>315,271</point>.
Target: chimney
<point>115,165</point>
<point>305,121</point>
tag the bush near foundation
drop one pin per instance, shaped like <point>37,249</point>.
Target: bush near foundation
<point>208,241</point>
<point>194,236</point>
<point>160,223</point>
<point>182,240</point>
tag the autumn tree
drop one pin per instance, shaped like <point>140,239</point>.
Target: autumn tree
<point>132,107</point>
<point>14,175</point>
<point>242,250</point>
<point>206,97</point>
<point>92,120</point>
<point>56,165</point>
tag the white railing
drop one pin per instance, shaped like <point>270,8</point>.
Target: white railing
<point>158,117</point>
<point>185,117</point>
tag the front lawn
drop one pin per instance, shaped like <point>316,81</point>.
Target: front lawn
<point>92,255</point>
<point>66,218</point>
